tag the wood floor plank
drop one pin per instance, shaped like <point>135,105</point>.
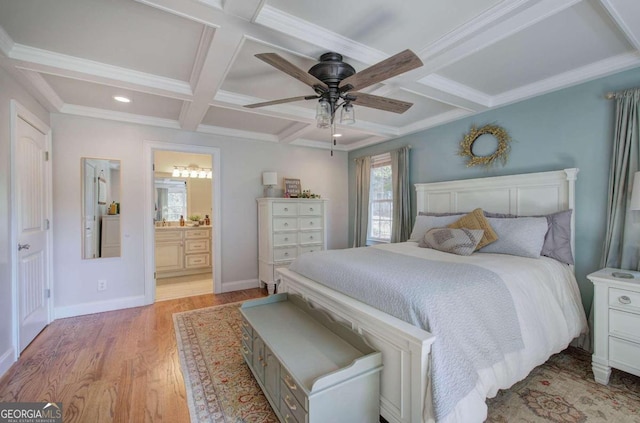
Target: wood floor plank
<point>118,366</point>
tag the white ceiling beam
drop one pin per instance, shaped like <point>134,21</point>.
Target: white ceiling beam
<point>223,49</point>
<point>318,144</point>
<point>295,131</point>
<point>244,9</point>
<point>237,133</point>
<point>201,54</point>
<point>72,109</point>
<point>49,62</point>
<point>629,24</point>
<point>52,99</point>
<point>461,91</point>
<point>508,19</point>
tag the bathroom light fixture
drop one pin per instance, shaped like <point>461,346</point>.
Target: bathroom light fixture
<point>192,171</point>
<point>121,99</point>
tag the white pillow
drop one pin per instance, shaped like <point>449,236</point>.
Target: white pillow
<point>523,236</point>
<point>424,223</point>
<point>457,241</point>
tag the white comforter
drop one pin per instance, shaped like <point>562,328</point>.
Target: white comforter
<point>550,314</point>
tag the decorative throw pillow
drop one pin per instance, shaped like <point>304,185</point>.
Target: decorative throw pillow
<point>523,236</point>
<point>457,241</point>
<point>424,223</point>
<point>557,241</point>
<point>476,220</point>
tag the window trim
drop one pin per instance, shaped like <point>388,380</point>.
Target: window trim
<point>380,160</point>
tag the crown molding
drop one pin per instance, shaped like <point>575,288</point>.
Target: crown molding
<point>31,55</point>
<point>318,144</point>
<point>72,109</point>
<point>316,35</point>
<point>6,42</point>
<point>433,121</point>
<point>452,87</point>
<point>586,73</point>
<point>236,133</point>
<point>365,143</point>
<point>628,30</point>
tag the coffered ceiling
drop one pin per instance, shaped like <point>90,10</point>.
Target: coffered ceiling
<point>190,64</point>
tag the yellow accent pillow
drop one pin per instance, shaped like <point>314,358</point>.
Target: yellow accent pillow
<point>476,220</point>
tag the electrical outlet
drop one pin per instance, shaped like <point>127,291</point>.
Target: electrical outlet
<point>102,284</point>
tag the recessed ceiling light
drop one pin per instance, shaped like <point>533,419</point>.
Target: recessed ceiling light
<point>121,99</point>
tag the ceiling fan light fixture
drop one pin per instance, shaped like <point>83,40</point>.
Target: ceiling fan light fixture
<point>323,114</point>
<point>348,114</point>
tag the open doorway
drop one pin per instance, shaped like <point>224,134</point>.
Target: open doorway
<point>182,221</point>
<point>183,205</point>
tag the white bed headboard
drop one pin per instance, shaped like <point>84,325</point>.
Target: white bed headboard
<point>524,194</point>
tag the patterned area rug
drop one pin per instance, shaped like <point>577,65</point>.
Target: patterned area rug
<point>221,388</point>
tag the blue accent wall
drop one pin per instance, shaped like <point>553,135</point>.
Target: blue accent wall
<point>572,127</point>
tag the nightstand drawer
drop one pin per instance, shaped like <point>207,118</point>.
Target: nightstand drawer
<point>624,325</point>
<point>624,300</point>
<point>625,353</point>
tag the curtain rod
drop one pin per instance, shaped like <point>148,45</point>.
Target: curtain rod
<point>613,94</point>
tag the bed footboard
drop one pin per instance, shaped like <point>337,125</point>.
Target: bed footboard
<point>405,386</point>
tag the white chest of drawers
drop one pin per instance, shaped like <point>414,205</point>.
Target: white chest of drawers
<point>616,323</point>
<point>311,369</point>
<point>288,227</point>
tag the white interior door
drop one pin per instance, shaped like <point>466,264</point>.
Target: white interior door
<point>89,210</point>
<point>32,232</point>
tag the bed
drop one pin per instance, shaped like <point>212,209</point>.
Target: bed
<point>408,351</point>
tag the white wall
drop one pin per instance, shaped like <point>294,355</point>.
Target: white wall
<point>9,89</point>
<point>242,164</point>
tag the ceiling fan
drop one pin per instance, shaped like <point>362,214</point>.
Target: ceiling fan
<point>336,84</point>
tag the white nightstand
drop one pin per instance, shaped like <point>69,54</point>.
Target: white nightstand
<point>616,303</point>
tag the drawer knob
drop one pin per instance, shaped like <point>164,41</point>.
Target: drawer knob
<point>245,350</point>
<point>310,223</point>
<point>624,300</point>
<point>286,209</point>
<point>290,384</point>
<point>310,208</point>
<point>286,224</point>
<point>311,237</point>
<point>286,239</point>
<point>245,337</point>
<point>291,406</point>
<point>286,254</point>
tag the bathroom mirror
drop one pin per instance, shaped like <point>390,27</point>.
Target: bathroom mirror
<point>178,196</point>
<point>100,208</point>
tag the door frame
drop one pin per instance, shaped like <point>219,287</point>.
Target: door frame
<point>149,228</point>
<point>18,111</point>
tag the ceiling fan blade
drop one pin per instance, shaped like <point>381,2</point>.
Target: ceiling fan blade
<point>382,103</point>
<point>388,68</point>
<point>289,68</point>
<point>282,100</point>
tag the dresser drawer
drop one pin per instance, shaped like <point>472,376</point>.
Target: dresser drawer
<point>246,353</point>
<point>196,233</point>
<point>285,253</point>
<point>292,386</point>
<point>624,300</point>
<point>310,222</point>
<point>624,352</point>
<point>310,237</point>
<point>310,208</point>
<point>246,327</point>
<point>247,339</point>
<point>196,246</point>
<point>310,249</point>
<point>168,235</point>
<point>285,223</point>
<point>284,209</point>
<point>624,325</point>
<point>193,261</point>
<point>289,405</point>
<point>285,239</point>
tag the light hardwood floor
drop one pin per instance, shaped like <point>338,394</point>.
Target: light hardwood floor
<point>119,366</point>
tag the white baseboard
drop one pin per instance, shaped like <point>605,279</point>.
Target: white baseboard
<point>238,285</point>
<point>99,307</point>
<point>6,360</point>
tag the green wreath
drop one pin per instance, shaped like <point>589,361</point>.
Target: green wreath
<point>501,154</point>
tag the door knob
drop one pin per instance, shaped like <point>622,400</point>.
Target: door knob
<point>23,247</point>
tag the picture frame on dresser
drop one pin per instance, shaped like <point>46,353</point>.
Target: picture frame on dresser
<point>291,187</point>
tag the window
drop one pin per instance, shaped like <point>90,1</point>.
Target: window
<point>380,199</point>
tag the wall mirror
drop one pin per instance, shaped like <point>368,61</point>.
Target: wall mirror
<point>100,208</point>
